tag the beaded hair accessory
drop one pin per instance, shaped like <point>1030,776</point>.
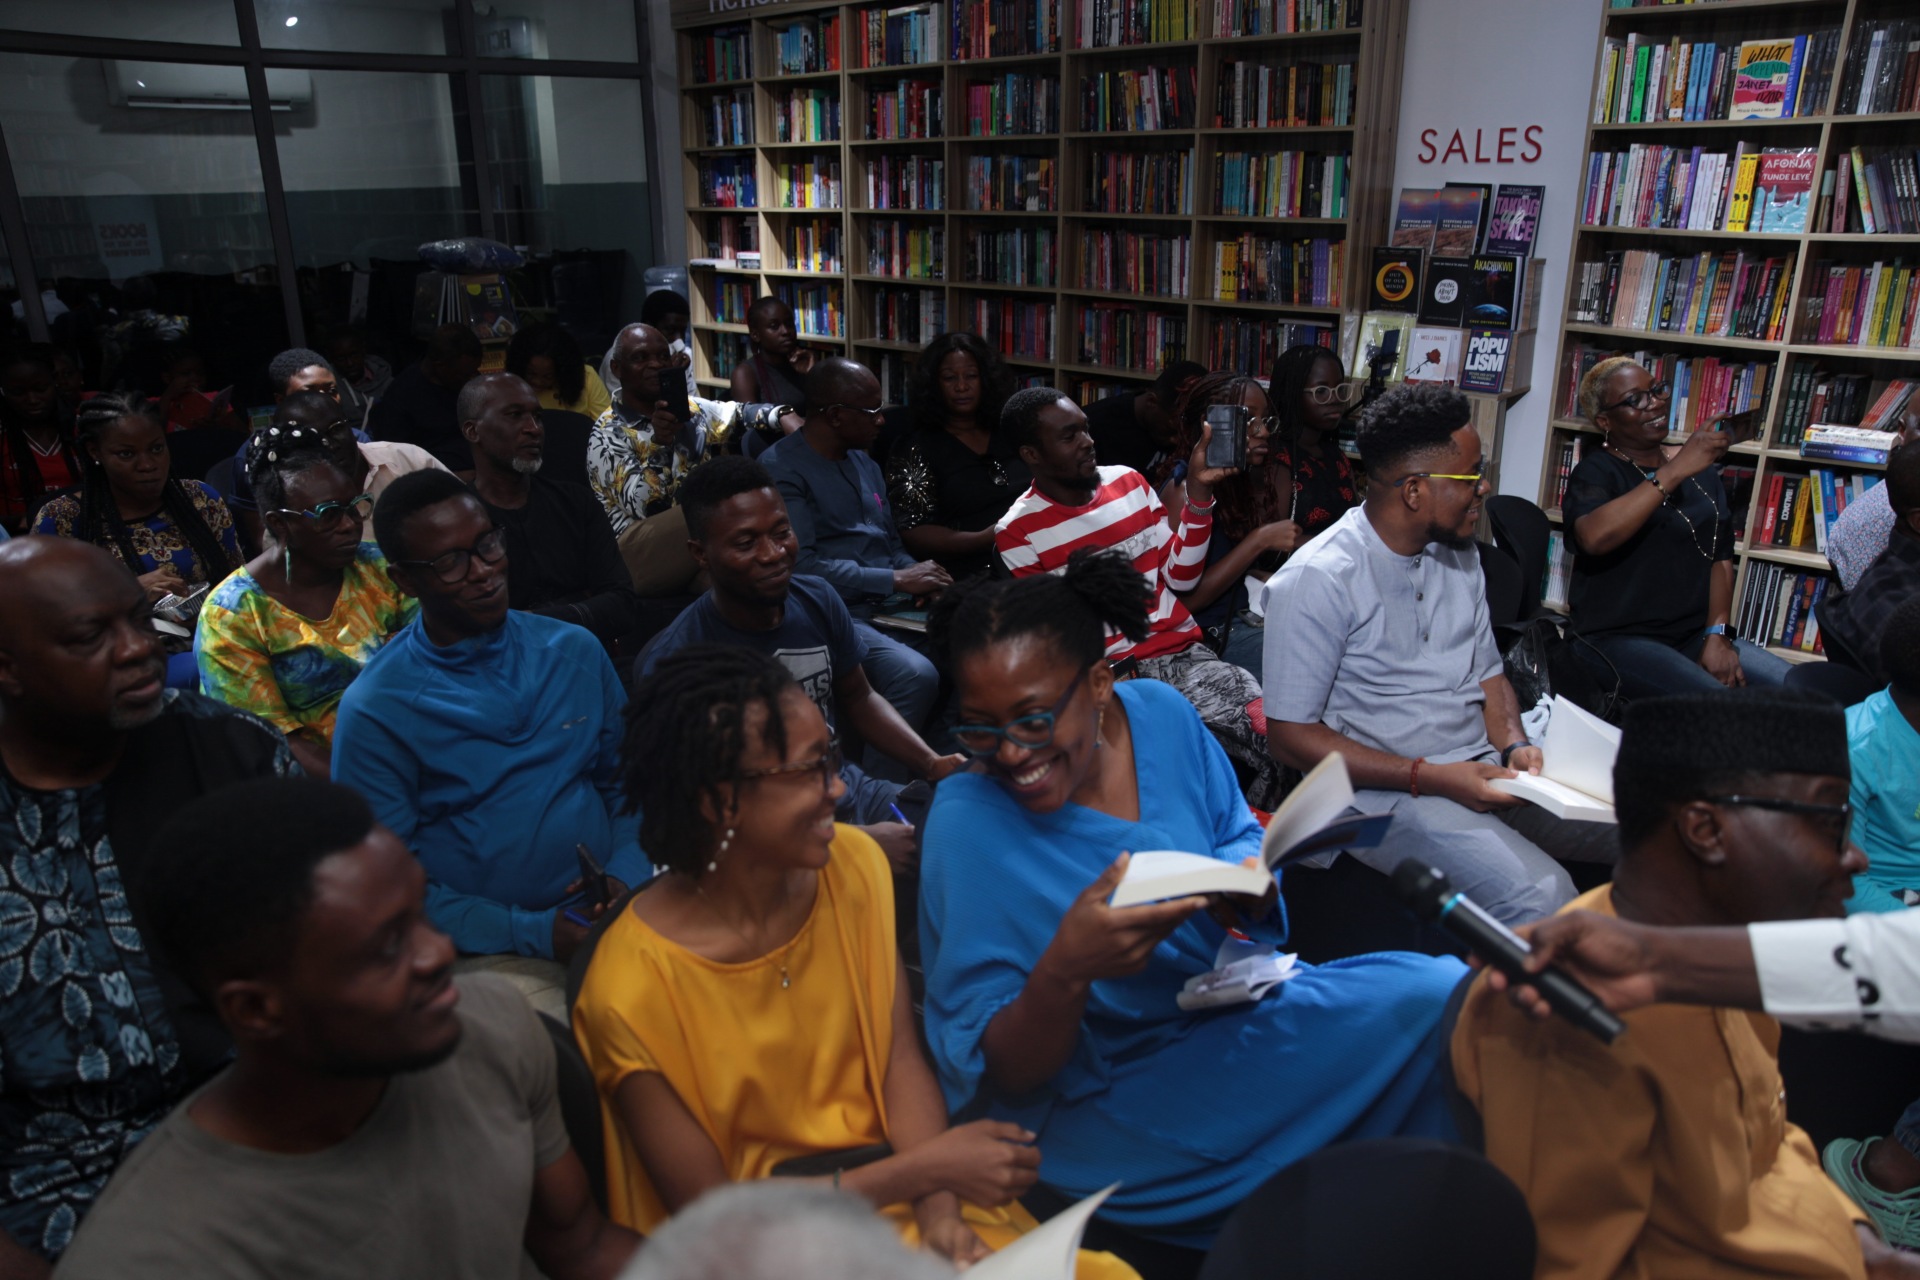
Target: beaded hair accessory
<point>273,437</point>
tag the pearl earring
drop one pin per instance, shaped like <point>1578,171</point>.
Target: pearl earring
<point>289,565</point>
<point>1099,723</point>
<point>725,840</point>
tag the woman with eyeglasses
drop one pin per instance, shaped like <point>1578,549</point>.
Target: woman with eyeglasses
<point>286,634</point>
<point>746,1015</point>
<point>1653,535</point>
<point>1051,1009</point>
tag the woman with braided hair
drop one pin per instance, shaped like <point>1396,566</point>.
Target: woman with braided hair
<point>285,635</point>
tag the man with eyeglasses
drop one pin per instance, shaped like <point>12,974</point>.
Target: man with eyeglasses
<point>1668,1152</point>
<point>1379,647</point>
<point>488,740</point>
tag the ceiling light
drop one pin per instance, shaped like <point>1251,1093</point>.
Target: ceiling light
<point>293,21</point>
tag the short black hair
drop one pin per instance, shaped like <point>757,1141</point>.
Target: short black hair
<point>1020,419</point>
<point>764,306</point>
<point>1411,419</point>
<point>290,362</point>
<point>1099,590</point>
<point>549,339</point>
<point>686,736</point>
<point>405,498</point>
<point>1903,481</point>
<point>1900,648</point>
<point>660,304</point>
<point>451,341</point>
<point>1166,387</point>
<point>833,379</point>
<point>712,483</point>
<point>229,876</point>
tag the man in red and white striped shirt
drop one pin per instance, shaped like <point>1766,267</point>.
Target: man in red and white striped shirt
<point>1075,504</point>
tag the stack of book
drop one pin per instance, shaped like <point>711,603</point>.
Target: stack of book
<point>1780,607</point>
<point>1012,255</point>
<point>1572,450</point>
<point>1298,270</point>
<point>1862,306</point>
<point>1156,182</point>
<point>1694,189</point>
<point>1106,24</point>
<point>906,182</point>
<point>723,53</point>
<point>1013,103</point>
<point>1143,101</point>
<point>1253,96</point>
<point>1732,294</point>
<point>1801,510</point>
<point>1816,395</point>
<point>1119,335</point>
<point>1875,190</point>
<point>910,250</point>
<point>807,184</point>
<point>1003,28</point>
<point>818,310</point>
<point>1011,326</point>
<point>1281,184</point>
<point>731,298</point>
<point>729,237</point>
<point>1643,80</point>
<point>896,37</point>
<point>1283,17</point>
<point>1883,69</point>
<point>814,245</point>
<point>727,182</point>
<point>909,315</point>
<point>1136,261</point>
<point>808,45</point>
<point>1001,182</point>
<point>806,114</point>
<point>905,109</point>
<point>728,119</point>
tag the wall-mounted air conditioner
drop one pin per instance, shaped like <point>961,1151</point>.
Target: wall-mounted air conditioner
<point>185,86</point>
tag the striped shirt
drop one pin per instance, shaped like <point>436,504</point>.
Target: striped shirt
<point>1037,535</point>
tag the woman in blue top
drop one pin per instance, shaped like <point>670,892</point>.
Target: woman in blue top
<point>1049,1008</point>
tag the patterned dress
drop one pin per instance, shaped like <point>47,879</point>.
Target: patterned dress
<point>156,540</point>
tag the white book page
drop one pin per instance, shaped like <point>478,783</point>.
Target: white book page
<point>1579,750</point>
<point>1048,1252</point>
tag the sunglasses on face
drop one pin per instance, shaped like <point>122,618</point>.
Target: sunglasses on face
<point>1832,820</point>
<point>1487,474</point>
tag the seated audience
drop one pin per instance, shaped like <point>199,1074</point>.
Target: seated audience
<point>37,457</point>
<point>421,407</point>
<point>1883,742</point>
<point>779,1229</point>
<point>1136,428</point>
<point>363,376</point>
<point>98,1039</point>
<point>955,472</point>
<point>1653,537</point>
<point>566,564</point>
<point>1075,504</point>
<point>1861,533</point>
<point>750,1006</point>
<point>667,310</point>
<point>836,499</point>
<point>302,369</point>
<point>546,355</point>
<point>175,535</point>
<point>379,1118</point>
<point>287,632</point>
<point>1852,620</point>
<point>174,377</point>
<point>776,371</point>
<point>742,539</point>
<point>1048,1008</point>
<point>1668,1152</point>
<point>1379,647</point>
<point>488,741</point>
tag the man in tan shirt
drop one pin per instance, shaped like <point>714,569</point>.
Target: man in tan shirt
<point>1668,1155</point>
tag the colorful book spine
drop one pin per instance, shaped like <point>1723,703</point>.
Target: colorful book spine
<point>1121,335</point>
<point>908,249</point>
<point>1148,262</point>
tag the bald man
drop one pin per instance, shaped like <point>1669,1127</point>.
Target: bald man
<point>97,1039</point>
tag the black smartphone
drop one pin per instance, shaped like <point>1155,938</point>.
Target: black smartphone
<point>1227,446</point>
<point>1740,427</point>
<point>593,878</point>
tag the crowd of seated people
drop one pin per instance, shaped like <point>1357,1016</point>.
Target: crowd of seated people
<point>639,789</point>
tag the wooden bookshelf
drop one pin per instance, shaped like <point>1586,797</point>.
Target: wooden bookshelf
<point>1033,278</point>
<point>1828,126</point>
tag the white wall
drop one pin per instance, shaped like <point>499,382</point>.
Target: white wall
<point>1491,64</point>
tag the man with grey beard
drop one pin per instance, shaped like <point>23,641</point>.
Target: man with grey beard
<point>565,562</point>
<point>98,1039</point>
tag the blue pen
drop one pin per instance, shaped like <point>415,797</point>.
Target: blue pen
<point>574,917</point>
<point>901,816</point>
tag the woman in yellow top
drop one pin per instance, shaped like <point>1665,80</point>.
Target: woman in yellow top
<point>549,359</point>
<point>749,1007</point>
<point>286,633</point>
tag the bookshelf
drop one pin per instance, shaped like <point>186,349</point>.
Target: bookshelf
<point>1059,183</point>
<point>1783,351</point>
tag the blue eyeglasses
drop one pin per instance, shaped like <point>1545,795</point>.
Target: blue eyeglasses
<point>1031,732</point>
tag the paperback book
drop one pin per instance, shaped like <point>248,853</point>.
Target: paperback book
<point>1515,221</point>
<point>1395,282</point>
<point>1782,189</point>
<point>1415,219</point>
<point>1434,354</point>
<point>1487,360</point>
<point>1456,231</point>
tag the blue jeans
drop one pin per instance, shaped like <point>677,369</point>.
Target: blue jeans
<point>903,676</point>
<point>1246,646</point>
<point>1650,667</point>
<point>868,799</point>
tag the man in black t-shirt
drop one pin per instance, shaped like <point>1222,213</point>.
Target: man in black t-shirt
<point>1135,429</point>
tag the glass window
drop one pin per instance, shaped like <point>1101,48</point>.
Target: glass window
<point>588,30</point>
<point>149,224</point>
<point>188,21</point>
<point>362,26</point>
<point>567,168</point>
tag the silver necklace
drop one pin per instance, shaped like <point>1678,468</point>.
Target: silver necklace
<point>1672,500</point>
<point>785,980</point>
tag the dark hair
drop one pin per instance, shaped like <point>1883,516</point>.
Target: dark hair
<point>1100,590</point>
<point>1900,648</point>
<point>28,485</point>
<point>1287,389</point>
<point>1903,481</point>
<point>712,483</point>
<point>924,402</point>
<point>764,306</point>
<point>550,340</point>
<point>1166,387</point>
<point>405,498</point>
<point>451,341</point>
<point>832,379</point>
<point>283,366</point>
<point>228,877</point>
<point>1020,416</point>
<point>100,522</point>
<point>1246,501</point>
<point>1413,418</point>
<point>276,453</point>
<point>660,304</point>
<point>687,736</point>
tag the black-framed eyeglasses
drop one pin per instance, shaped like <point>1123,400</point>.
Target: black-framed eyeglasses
<point>826,765</point>
<point>1638,398</point>
<point>1030,731</point>
<point>1487,474</point>
<point>869,414</point>
<point>453,566</point>
<point>1840,815</point>
<point>333,515</point>
<point>1343,392</point>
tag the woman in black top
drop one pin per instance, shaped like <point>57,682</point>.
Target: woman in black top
<point>954,474</point>
<point>1652,538</point>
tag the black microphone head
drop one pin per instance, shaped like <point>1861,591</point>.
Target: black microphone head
<point>1421,887</point>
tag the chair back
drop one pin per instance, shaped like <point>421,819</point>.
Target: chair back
<point>1837,680</point>
<point>1506,591</point>
<point>579,1107</point>
<point>1521,530</point>
<point>566,455</point>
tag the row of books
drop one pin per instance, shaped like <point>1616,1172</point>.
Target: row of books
<point>1119,335</point>
<point>894,371</point>
<point>1731,294</point>
<point>807,184</point>
<point>1281,184</point>
<point>728,182</point>
<point>1883,69</point>
<point>731,298</point>
<point>1297,270</point>
<point>1011,326</point>
<point>1475,358</point>
<point>1250,345</point>
<point>1011,182</point>
<point>1694,189</point>
<point>1136,261</point>
<point>1862,306</point>
<point>815,245</point>
<point>1143,101</point>
<point>1490,290</point>
<point>1085,391</point>
<point>809,114</point>
<point>1017,102</point>
<point>1464,218</point>
<point>1801,510</point>
<point>1256,96</point>
<point>819,310</point>
<point>913,250</point>
<point>1002,28</point>
<point>906,182</point>
<point>1875,190</point>
<point>1572,449</point>
<point>807,45</point>
<point>1559,571</point>
<point>721,53</point>
<point>1700,387</point>
<point>1279,17</point>
<point>1105,24</point>
<point>1012,255</point>
<point>728,119</point>
<point>1817,395</point>
<point>909,315</point>
<point>906,109</point>
<point>1780,606</point>
<point>727,237</point>
<point>729,353</point>
<point>898,36</point>
<point>1139,182</point>
<point>1767,79</point>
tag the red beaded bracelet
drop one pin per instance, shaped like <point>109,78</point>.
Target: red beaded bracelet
<point>1413,781</point>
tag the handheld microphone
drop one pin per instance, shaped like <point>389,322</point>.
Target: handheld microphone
<point>1426,890</point>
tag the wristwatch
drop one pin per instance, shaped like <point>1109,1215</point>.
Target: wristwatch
<point>1724,630</point>
<point>1507,751</point>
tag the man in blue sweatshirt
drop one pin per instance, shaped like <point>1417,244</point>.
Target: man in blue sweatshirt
<point>489,742</point>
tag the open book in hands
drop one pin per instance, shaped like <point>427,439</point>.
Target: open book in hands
<point>1309,822</point>
<point>1576,779</point>
<point>1051,1251</point>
